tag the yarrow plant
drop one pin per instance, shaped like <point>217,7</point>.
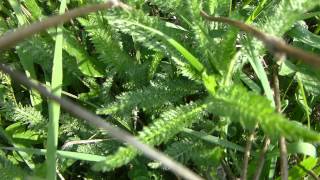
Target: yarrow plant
<point>226,89</point>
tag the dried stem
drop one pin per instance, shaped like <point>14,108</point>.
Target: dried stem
<point>247,156</point>
<point>282,140</point>
<point>283,158</point>
<point>261,159</point>
<point>98,122</point>
<point>273,43</point>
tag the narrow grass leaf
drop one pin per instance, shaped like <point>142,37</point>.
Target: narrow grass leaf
<point>54,108</point>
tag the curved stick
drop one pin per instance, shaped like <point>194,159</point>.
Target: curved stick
<point>273,43</point>
<point>98,122</point>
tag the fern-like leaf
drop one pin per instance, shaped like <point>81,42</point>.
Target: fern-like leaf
<point>249,109</point>
<point>25,114</point>
<point>107,44</point>
<point>133,25</point>
<point>150,97</point>
<point>170,123</point>
<point>10,171</point>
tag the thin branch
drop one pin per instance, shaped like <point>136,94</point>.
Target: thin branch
<point>261,159</point>
<point>273,43</point>
<point>310,172</point>
<point>282,140</point>
<point>12,38</point>
<point>247,156</point>
<point>98,122</point>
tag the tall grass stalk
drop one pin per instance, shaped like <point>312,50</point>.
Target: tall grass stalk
<point>54,108</point>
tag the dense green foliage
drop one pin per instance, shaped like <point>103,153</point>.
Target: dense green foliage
<point>193,89</point>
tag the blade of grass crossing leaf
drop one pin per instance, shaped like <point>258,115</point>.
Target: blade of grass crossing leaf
<point>257,66</point>
<point>24,156</point>
<point>33,8</point>
<point>256,11</point>
<point>230,70</point>
<point>246,2</point>
<point>304,100</point>
<point>310,15</point>
<point>60,154</point>
<point>54,108</point>
<point>250,83</point>
<point>86,64</point>
<point>20,17</point>
<point>230,7</point>
<point>209,80</point>
<point>26,62</point>
<point>189,57</point>
<point>214,140</point>
<point>302,34</point>
<point>29,69</point>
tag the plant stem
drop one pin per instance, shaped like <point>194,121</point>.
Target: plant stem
<point>282,140</point>
<point>54,108</point>
<point>247,156</point>
<point>261,159</point>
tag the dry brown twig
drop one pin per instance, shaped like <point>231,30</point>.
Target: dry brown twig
<point>282,140</point>
<point>274,44</point>
<point>247,155</point>
<point>12,38</point>
<point>262,155</point>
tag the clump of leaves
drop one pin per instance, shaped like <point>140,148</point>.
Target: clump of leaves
<point>155,70</point>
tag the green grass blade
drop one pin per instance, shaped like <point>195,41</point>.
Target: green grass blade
<point>310,15</point>
<point>256,12</point>
<point>187,55</point>
<point>86,64</point>
<point>25,60</point>
<point>214,140</point>
<point>60,154</point>
<point>303,101</point>
<point>302,34</point>
<point>257,66</point>
<point>54,109</point>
